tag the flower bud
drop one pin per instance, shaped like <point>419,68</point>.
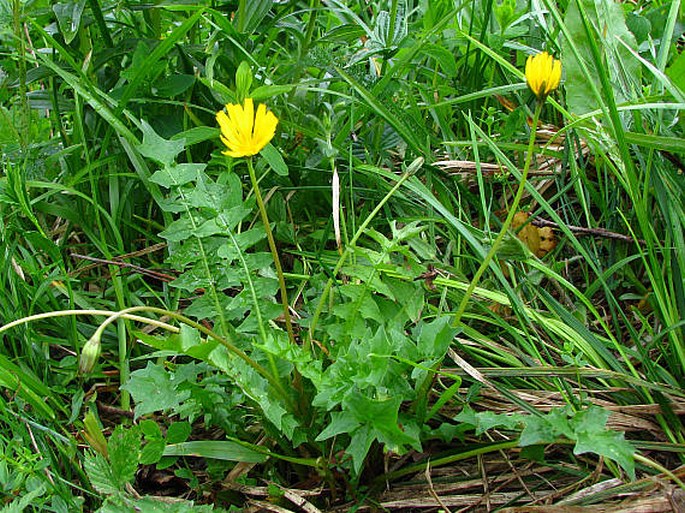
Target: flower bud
<point>89,355</point>
<point>543,74</point>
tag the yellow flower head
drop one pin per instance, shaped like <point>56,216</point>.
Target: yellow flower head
<point>543,74</point>
<point>243,132</point>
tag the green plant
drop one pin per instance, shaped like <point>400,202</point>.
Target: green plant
<point>292,315</point>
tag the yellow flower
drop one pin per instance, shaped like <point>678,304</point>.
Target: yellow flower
<point>243,132</point>
<point>543,74</point>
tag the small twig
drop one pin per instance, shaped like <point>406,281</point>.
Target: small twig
<point>267,506</point>
<point>113,410</point>
<point>467,167</point>
<point>141,270</point>
<point>484,477</point>
<point>301,502</point>
<point>599,232</point>
<point>263,491</point>
<point>431,489</point>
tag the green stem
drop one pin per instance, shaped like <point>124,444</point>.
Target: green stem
<point>273,380</point>
<point>106,313</point>
<point>311,24</point>
<point>412,469</point>
<point>124,370</point>
<point>659,468</point>
<point>257,311</point>
<point>274,252</point>
<point>507,222</point>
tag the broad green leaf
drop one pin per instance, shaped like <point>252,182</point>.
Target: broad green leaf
<point>486,420</point>
<point>676,71</point>
<point>360,301</point>
<point>276,414</point>
<point>123,448</point>
<point>467,416</point>
<point>389,33</point>
<point>177,174</point>
<point>222,93</point>
<point>208,228</point>
<point>219,450</point>
<point>592,435</point>
<point>433,338</point>
<point>193,279</point>
<point>116,505</point>
<point>412,297</point>
<point>152,452</point>
<point>244,240</point>
<point>359,446</point>
<point>381,415</point>
<point>443,57</point>
<point>639,25</point>
<point>68,16</point>
<point>546,429</point>
<point>157,148</point>
<point>178,432</point>
<point>197,134</point>
<point>179,230</point>
<point>275,160</point>
<point>153,390</point>
<point>173,85</point>
<point>188,342</point>
<point>100,474</point>
<point>368,274</point>
<point>534,453</point>
<point>346,33</point>
<point>559,422</point>
<point>537,431</point>
<point>621,67</point>
<point>609,444</point>
<point>154,505</point>
<point>8,130</point>
<point>592,420</point>
<point>189,337</point>
<point>342,422</point>
<point>269,91</point>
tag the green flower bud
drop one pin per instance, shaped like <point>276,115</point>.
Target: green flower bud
<point>89,355</point>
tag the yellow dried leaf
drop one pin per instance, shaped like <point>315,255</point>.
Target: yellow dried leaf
<point>540,241</point>
<point>548,241</point>
<point>526,232</point>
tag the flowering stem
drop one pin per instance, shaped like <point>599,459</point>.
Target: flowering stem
<point>106,313</point>
<point>274,252</point>
<point>273,380</point>
<point>507,222</point>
